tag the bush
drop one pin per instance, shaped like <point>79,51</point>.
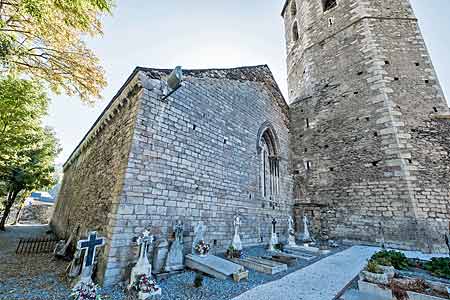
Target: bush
<point>373,267</point>
<point>439,267</point>
<point>391,258</point>
<point>198,280</point>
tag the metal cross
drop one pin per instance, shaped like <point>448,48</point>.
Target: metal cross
<point>90,245</point>
<point>274,223</point>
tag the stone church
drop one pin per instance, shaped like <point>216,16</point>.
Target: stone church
<point>362,148</point>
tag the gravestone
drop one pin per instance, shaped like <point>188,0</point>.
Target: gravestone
<point>210,264</point>
<point>160,252</point>
<point>291,232</point>
<point>305,236</point>
<point>175,258</point>
<point>236,243</point>
<point>143,266</point>
<point>273,236</point>
<point>90,246</point>
<point>199,235</point>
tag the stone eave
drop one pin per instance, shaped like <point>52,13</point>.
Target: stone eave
<point>284,8</point>
<point>114,106</point>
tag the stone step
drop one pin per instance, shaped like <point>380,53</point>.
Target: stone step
<point>261,265</point>
<point>299,255</point>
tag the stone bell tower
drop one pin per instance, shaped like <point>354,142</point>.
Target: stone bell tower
<point>369,122</point>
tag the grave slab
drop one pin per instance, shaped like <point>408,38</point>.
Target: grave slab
<point>288,260</point>
<point>261,265</point>
<point>212,265</point>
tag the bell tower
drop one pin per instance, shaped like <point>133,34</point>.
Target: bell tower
<point>368,121</point>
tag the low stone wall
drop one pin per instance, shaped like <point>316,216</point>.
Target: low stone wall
<point>36,214</point>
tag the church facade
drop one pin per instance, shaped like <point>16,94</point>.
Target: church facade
<point>362,148</point>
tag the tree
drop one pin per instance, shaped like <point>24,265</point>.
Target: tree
<point>27,149</point>
<point>43,39</point>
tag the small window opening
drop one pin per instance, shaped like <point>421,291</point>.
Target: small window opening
<point>194,127</point>
<point>326,146</point>
<point>375,133</point>
<point>295,32</point>
<point>296,172</point>
<point>329,4</point>
<point>293,8</point>
<point>356,93</point>
<point>304,71</point>
<point>306,150</point>
<point>225,141</point>
<point>435,109</point>
<point>427,81</point>
<point>331,169</point>
<point>396,78</point>
<point>308,165</point>
<point>375,163</point>
<point>330,22</point>
<point>360,73</point>
<point>386,62</point>
<point>410,161</point>
<point>417,64</point>
<point>367,119</point>
<point>307,123</point>
<point>215,242</point>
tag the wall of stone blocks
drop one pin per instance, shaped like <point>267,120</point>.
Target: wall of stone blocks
<point>194,157</point>
<point>361,90</point>
<point>93,177</point>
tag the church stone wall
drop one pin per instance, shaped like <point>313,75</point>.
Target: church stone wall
<point>93,177</point>
<point>194,158</point>
<point>364,92</point>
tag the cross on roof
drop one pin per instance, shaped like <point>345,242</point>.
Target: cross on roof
<point>90,245</point>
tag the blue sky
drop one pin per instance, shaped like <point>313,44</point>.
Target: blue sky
<point>202,34</point>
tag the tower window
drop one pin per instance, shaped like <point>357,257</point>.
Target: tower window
<point>329,4</point>
<point>295,32</point>
<point>293,8</point>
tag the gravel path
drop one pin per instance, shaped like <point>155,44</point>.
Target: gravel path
<point>320,281</point>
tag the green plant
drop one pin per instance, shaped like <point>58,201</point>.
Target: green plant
<point>198,280</point>
<point>278,247</point>
<point>373,267</point>
<point>391,258</point>
<point>439,267</point>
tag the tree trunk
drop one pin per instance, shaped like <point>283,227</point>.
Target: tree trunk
<point>11,198</point>
<point>16,218</point>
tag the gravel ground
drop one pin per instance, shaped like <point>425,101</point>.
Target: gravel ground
<point>40,277</point>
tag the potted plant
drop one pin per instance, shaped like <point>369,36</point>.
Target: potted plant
<point>146,287</point>
<point>234,253</point>
<point>202,248</point>
<point>85,291</point>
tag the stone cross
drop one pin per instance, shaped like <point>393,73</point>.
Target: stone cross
<point>142,266</point>
<point>291,232</point>
<point>236,243</point>
<point>90,246</point>
<point>306,235</point>
<point>199,235</point>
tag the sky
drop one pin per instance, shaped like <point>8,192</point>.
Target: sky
<point>205,34</point>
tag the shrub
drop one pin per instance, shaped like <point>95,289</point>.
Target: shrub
<point>198,280</point>
<point>373,267</point>
<point>391,258</point>
<point>439,267</point>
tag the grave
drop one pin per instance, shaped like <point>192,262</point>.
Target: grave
<point>236,243</point>
<point>290,261</point>
<point>273,236</point>
<point>143,266</point>
<point>209,264</point>
<point>261,265</point>
<point>175,258</point>
<point>160,254</point>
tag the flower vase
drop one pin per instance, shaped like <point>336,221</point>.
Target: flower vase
<point>150,295</point>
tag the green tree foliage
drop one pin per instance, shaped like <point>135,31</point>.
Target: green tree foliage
<point>43,39</point>
<point>27,149</point>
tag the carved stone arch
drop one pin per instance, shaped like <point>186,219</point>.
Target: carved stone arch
<point>267,128</point>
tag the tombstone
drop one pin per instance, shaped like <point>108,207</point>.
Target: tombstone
<point>210,264</point>
<point>62,249</point>
<point>160,255</point>
<point>306,237</point>
<point>175,257</point>
<point>74,268</point>
<point>291,232</point>
<point>199,235</point>
<point>273,236</point>
<point>143,266</point>
<point>90,246</point>
<point>236,243</point>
